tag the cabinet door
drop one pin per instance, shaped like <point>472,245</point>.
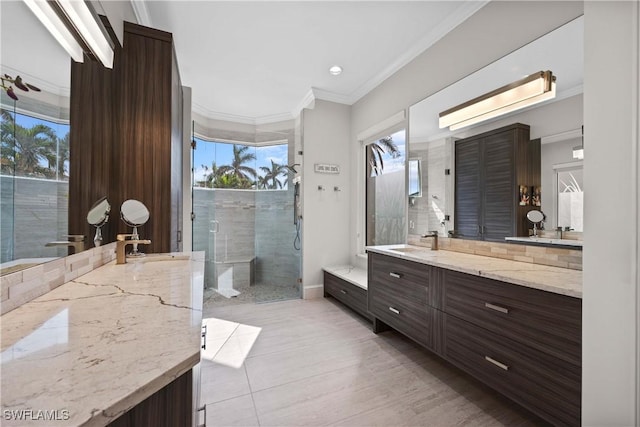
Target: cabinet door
<point>498,195</point>
<point>468,187</point>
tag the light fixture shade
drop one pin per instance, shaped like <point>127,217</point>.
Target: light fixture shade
<point>56,27</point>
<point>87,26</point>
<point>537,87</point>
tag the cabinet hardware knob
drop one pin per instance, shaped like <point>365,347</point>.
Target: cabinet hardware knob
<point>495,362</point>
<point>396,275</point>
<point>393,310</point>
<point>343,291</point>
<point>496,308</point>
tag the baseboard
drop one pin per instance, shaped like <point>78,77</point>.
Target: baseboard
<point>313,292</point>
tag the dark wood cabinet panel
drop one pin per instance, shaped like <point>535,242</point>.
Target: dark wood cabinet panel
<point>490,167</point>
<point>538,381</point>
<point>395,272</point>
<point>126,137</point>
<point>467,193</point>
<point>347,293</point>
<point>542,320</point>
<point>169,407</point>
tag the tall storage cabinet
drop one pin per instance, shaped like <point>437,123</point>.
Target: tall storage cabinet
<point>489,170</point>
<point>126,138</point>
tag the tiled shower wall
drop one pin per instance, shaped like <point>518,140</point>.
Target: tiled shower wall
<point>251,225</point>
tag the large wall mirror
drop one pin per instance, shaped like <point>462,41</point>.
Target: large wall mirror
<point>35,156</point>
<point>557,123</point>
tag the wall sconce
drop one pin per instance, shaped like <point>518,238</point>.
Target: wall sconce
<point>537,87</point>
<point>76,26</point>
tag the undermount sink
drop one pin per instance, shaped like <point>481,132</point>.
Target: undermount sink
<point>408,249</point>
<point>159,257</point>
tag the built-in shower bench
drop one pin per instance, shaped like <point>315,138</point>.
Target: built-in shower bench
<point>348,284</point>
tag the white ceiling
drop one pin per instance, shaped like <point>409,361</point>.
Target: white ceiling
<point>256,62</point>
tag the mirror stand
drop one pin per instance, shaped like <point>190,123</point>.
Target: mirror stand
<point>134,251</point>
<point>97,239</point>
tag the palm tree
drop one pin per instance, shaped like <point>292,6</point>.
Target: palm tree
<point>211,178</point>
<point>237,167</point>
<point>375,151</point>
<point>7,149</point>
<point>32,146</point>
<point>270,179</point>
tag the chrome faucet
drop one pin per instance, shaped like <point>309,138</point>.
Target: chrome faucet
<point>122,242</point>
<point>434,235</point>
<point>76,241</point>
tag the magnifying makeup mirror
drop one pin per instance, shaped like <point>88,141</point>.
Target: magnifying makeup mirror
<point>98,216</point>
<point>135,214</point>
<point>535,217</point>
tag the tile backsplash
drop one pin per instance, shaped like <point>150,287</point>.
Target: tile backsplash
<point>22,286</point>
<point>556,257</point>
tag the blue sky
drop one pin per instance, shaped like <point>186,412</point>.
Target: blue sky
<point>206,152</point>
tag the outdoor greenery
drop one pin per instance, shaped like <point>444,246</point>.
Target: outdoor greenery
<point>375,151</point>
<point>241,176</point>
<point>34,152</point>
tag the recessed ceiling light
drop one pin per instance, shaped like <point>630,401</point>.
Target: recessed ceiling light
<point>335,70</point>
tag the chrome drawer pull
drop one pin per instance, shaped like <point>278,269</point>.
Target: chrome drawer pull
<point>495,362</point>
<point>396,275</point>
<point>496,308</point>
<point>393,310</point>
<point>343,291</point>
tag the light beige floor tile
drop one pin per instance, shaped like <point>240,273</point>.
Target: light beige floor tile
<point>219,382</point>
<point>238,411</point>
<point>321,399</point>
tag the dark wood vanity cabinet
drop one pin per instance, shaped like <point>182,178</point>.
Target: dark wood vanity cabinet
<point>401,296</point>
<point>347,293</point>
<point>525,343</point>
<point>489,170</point>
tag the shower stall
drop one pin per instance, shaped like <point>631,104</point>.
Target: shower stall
<point>248,234</point>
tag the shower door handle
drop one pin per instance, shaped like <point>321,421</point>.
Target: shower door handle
<point>214,226</point>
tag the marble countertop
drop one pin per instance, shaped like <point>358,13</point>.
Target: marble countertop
<point>562,281</point>
<point>96,346</point>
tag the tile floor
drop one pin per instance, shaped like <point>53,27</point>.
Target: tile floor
<point>316,363</point>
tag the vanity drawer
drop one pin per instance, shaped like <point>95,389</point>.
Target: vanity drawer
<point>403,308</point>
<point>546,385</point>
<point>397,272</point>
<point>546,321</point>
<point>347,293</point>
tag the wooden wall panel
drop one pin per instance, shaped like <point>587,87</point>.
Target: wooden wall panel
<point>90,140</point>
<point>126,134</point>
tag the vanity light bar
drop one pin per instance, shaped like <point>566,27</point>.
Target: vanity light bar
<point>56,27</point>
<point>86,24</point>
<point>76,27</point>
<point>537,87</point>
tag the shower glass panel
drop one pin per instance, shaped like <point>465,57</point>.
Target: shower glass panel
<point>243,204</point>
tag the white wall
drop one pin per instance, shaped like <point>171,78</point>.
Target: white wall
<point>610,286</point>
<point>118,12</point>
<point>471,46</point>
<point>325,226</point>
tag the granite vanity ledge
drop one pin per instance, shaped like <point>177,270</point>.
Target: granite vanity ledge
<point>558,280</point>
<point>100,344</point>
<point>354,275</point>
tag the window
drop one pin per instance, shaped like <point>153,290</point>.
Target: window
<point>386,198</point>
<point>227,165</point>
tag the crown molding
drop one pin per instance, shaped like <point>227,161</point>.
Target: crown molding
<point>326,95</point>
<point>308,101</point>
<point>236,118</point>
<point>141,12</point>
